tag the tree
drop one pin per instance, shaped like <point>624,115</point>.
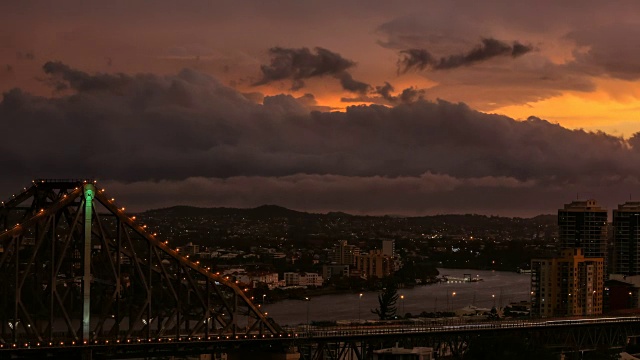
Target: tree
<point>387,302</point>
<point>494,313</point>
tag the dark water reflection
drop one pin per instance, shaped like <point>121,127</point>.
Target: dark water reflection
<point>497,288</point>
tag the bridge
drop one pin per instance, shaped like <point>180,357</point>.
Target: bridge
<point>82,278</point>
<point>78,269</point>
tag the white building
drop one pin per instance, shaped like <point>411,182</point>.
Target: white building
<point>271,279</point>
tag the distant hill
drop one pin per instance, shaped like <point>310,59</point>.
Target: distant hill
<point>264,211</point>
<point>273,211</point>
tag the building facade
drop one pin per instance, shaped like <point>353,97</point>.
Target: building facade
<point>344,254</point>
<point>626,239</point>
<point>568,285</point>
<point>331,270</point>
<point>389,248</point>
<point>375,263</point>
<point>254,278</point>
<point>583,224</point>
<point>302,279</point>
<point>622,292</point>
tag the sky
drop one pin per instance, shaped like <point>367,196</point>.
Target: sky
<point>374,107</point>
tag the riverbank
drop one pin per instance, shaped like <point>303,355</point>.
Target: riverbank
<point>497,288</point>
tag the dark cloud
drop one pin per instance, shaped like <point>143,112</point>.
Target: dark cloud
<point>165,131</point>
<point>349,84</point>
<point>256,97</point>
<point>385,91</point>
<point>407,95</point>
<point>63,77</point>
<point>411,94</point>
<point>419,59</point>
<point>385,95</point>
<point>301,64</point>
<point>309,100</point>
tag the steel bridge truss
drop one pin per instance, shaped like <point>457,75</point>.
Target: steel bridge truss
<point>74,266</point>
<point>586,338</point>
<point>362,348</point>
<point>453,344</point>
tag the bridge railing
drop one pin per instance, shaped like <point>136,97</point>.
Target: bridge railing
<point>454,325</point>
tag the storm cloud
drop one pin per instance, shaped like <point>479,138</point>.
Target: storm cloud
<point>384,94</point>
<point>301,64</point>
<point>420,157</point>
<point>420,59</point>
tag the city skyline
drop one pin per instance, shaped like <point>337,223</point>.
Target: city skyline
<point>415,108</point>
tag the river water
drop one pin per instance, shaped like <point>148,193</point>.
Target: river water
<point>497,288</point>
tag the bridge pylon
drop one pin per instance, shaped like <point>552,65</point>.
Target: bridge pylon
<point>76,267</point>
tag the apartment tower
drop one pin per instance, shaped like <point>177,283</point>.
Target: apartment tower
<point>568,285</point>
<point>583,224</point>
<point>626,239</point>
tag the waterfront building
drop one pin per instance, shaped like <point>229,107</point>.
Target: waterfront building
<point>626,239</point>
<point>583,224</point>
<point>254,278</point>
<point>302,279</point>
<point>375,263</point>
<point>568,285</point>
<point>344,254</point>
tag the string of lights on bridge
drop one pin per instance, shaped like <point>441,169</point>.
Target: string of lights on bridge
<point>53,344</point>
<point>142,228</point>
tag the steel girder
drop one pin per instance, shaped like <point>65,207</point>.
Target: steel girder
<point>586,338</point>
<point>361,348</point>
<point>76,267</point>
<point>454,344</point>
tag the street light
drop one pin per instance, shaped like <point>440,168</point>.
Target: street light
<point>263,296</point>
<point>359,301</point>
<point>402,300</point>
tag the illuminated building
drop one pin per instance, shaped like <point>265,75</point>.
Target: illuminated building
<point>344,254</point>
<point>583,224</point>
<point>375,263</point>
<point>569,285</point>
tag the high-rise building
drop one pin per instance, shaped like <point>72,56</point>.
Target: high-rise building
<point>626,239</point>
<point>569,285</point>
<point>344,254</point>
<point>583,224</point>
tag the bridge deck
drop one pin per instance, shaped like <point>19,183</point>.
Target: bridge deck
<point>316,333</point>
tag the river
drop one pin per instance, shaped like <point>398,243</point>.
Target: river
<point>497,288</point>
